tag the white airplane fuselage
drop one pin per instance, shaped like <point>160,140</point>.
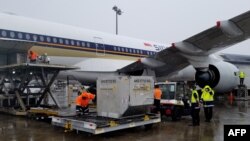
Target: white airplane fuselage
<point>95,53</point>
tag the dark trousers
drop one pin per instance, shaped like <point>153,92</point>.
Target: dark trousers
<point>195,113</point>
<point>208,113</point>
<point>33,61</point>
<point>241,81</point>
<point>81,110</point>
<point>157,104</point>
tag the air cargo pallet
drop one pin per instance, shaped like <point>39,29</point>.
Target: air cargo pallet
<point>97,125</point>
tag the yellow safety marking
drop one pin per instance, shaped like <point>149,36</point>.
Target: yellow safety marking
<point>113,123</point>
<point>146,117</point>
<point>68,126</point>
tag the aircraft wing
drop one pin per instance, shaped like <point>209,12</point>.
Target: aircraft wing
<point>163,63</point>
<point>236,59</point>
<point>196,50</point>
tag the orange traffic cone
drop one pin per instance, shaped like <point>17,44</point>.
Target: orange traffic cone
<point>231,98</point>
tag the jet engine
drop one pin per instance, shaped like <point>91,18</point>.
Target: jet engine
<point>221,76</point>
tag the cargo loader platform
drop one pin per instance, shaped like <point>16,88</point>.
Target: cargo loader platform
<point>94,124</point>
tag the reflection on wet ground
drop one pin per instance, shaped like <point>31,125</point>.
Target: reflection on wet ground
<point>22,129</point>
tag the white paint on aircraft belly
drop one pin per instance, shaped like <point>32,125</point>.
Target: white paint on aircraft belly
<point>91,64</point>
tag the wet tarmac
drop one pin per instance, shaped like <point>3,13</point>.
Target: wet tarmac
<point>21,129</point>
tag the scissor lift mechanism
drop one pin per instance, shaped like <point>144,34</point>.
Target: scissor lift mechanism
<point>19,77</point>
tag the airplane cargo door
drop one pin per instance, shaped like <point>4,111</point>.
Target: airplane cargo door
<point>100,47</point>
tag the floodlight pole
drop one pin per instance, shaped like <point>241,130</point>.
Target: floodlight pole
<point>116,31</point>
<point>117,12</point>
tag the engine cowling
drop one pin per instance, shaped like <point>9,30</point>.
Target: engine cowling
<point>221,76</point>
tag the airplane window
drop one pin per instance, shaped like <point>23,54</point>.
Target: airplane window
<point>34,37</point>
<point>83,44</point>
<point>27,36</point>
<point>54,40</point>
<point>4,33</point>
<point>88,44</point>
<point>41,38</point>
<point>61,41</point>
<point>48,39</point>
<point>66,42</point>
<point>72,42</point>
<point>20,35</point>
<point>78,43</point>
<point>114,48</point>
<point>12,34</point>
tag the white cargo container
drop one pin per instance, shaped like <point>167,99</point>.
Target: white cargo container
<point>124,95</point>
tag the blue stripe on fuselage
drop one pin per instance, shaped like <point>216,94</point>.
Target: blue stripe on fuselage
<point>58,42</point>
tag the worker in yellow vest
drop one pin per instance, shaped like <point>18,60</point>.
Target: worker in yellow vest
<point>242,75</point>
<point>195,107</point>
<point>207,97</point>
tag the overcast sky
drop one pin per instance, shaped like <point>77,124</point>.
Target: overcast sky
<point>164,21</point>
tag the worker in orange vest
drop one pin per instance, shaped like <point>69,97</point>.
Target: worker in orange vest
<point>32,56</point>
<point>82,102</point>
<point>157,98</point>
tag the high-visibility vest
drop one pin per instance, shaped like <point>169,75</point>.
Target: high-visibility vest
<point>193,99</point>
<point>207,95</point>
<point>157,93</point>
<point>84,98</point>
<point>79,100</point>
<point>33,56</point>
<point>242,74</point>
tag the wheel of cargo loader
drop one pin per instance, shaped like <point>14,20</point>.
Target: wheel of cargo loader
<point>148,126</point>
